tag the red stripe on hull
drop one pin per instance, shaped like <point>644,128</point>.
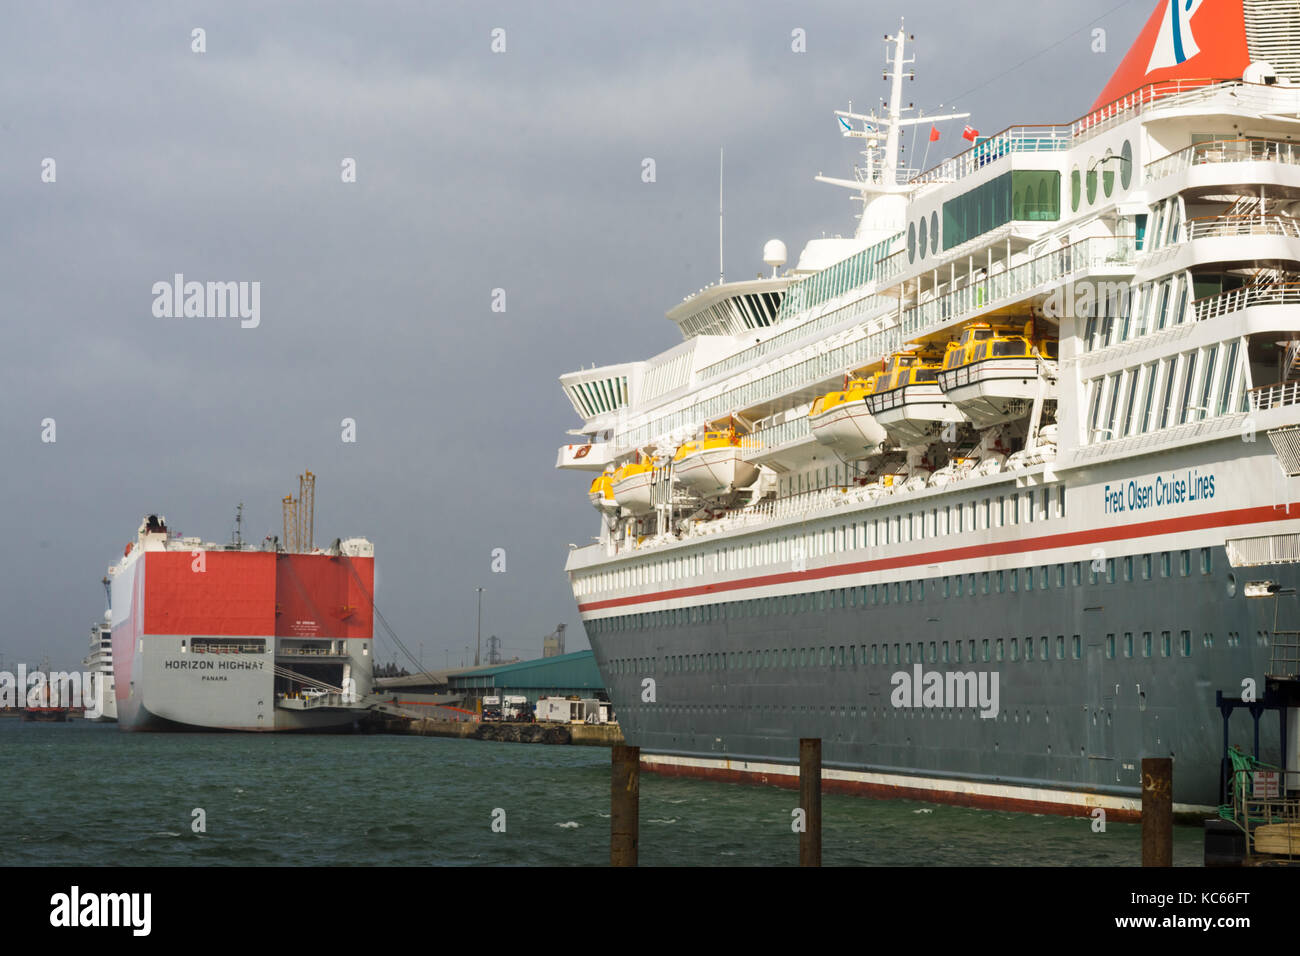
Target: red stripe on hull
<point>1221,519</point>
<point>882,791</point>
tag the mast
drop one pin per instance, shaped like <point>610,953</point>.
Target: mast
<point>880,173</point>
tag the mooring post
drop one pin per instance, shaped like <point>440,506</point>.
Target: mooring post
<point>624,805</point>
<point>1157,811</point>
<point>810,800</point>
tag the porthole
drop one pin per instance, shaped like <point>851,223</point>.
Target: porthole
<point>1232,585</point>
<point>1126,165</point>
<point>934,233</point>
<point>1108,174</point>
<point>1092,180</point>
<point>921,239</point>
<point>1076,188</point>
<point>911,242</point>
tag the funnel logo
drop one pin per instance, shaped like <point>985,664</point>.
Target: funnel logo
<point>1175,43</point>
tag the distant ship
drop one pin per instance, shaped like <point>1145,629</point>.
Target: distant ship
<point>981,495</point>
<point>99,661</point>
<point>240,638</point>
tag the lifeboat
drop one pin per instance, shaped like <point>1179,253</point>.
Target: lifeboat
<point>906,399</point>
<point>992,373</point>
<point>840,421</point>
<point>601,493</point>
<point>633,486</point>
<point>711,465</point>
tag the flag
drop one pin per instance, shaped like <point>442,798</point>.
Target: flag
<point>934,134</point>
<point>970,133</point>
<point>847,128</point>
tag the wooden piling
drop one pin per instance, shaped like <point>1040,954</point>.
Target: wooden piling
<point>624,805</point>
<point>810,800</point>
<point>1157,811</point>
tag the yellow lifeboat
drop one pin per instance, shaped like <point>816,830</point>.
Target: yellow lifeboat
<point>906,399</point>
<point>633,485</point>
<point>994,373</point>
<point>711,465</point>
<point>601,493</point>
<point>840,420</point>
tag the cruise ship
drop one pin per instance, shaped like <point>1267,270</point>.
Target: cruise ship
<point>99,661</point>
<point>237,637</point>
<point>995,495</point>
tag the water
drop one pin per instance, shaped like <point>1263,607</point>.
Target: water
<point>82,794</point>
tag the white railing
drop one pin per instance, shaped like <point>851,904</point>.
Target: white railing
<point>1224,151</point>
<point>1234,300</point>
<point>1275,396</point>
<point>1213,227</point>
<point>1087,254</point>
<point>796,429</point>
<point>1170,93</point>
<point>867,305</point>
<point>1017,139</point>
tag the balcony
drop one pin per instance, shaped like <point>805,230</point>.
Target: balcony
<point>1217,227</point>
<point>1087,255</point>
<point>1234,300</point>
<point>1224,151</point>
<point>1280,395</point>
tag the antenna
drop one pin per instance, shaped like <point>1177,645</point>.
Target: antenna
<point>720,268</point>
<point>239,522</point>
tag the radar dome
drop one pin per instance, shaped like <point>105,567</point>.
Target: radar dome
<point>774,253</point>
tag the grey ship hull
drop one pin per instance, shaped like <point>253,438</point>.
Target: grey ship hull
<point>1078,725</point>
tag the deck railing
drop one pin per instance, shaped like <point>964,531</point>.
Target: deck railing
<point>1274,396</point>
<point>1087,254</point>
<point>1213,227</point>
<point>1234,300</point>
<point>1224,151</point>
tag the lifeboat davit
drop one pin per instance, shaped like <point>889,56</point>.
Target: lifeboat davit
<point>601,493</point>
<point>711,466</point>
<point>633,486</point>
<point>906,398</point>
<point>992,374</point>
<point>841,421</point>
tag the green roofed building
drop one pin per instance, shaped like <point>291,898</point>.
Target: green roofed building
<point>559,676</point>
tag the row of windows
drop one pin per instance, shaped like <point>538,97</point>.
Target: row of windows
<point>996,511</point>
<point>981,651</point>
<point>1122,313</point>
<point>1043,578</point>
<point>1173,391</point>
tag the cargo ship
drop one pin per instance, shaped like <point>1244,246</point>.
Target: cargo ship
<point>235,637</point>
<point>995,496</point>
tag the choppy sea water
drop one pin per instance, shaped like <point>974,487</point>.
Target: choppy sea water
<point>82,794</point>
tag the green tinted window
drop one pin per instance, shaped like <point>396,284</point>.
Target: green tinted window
<point>1030,195</point>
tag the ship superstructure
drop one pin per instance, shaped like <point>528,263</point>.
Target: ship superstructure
<point>235,636</point>
<point>993,481</point>
<point>99,661</point>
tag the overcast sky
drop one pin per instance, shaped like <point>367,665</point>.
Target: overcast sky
<point>475,170</point>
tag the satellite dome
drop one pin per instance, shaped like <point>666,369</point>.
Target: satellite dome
<point>774,253</point>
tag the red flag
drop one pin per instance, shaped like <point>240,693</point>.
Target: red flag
<point>970,133</point>
<point>934,135</point>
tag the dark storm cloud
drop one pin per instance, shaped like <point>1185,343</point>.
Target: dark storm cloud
<point>475,171</point>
